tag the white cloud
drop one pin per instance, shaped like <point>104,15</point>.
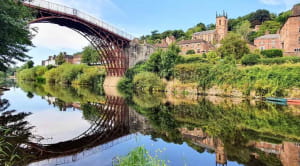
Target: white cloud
<point>56,37</point>
<point>288,3</point>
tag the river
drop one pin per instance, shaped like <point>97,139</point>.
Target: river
<point>63,125</point>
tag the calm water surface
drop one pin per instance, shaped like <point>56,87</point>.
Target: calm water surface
<point>78,126</point>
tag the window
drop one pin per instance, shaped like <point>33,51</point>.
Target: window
<point>299,40</point>
<point>299,29</point>
<point>220,22</point>
<point>262,48</point>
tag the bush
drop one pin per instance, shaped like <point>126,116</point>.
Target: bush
<point>272,53</point>
<point>189,52</point>
<point>192,58</point>
<point>250,59</point>
<point>280,60</point>
<point>147,81</point>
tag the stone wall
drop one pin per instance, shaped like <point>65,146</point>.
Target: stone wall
<point>138,52</point>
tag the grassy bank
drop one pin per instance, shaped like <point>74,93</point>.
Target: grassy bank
<point>262,74</point>
<point>263,80</point>
<point>64,74</point>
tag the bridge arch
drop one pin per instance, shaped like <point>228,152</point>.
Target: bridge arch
<point>109,42</point>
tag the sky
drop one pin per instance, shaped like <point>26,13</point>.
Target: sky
<point>140,17</point>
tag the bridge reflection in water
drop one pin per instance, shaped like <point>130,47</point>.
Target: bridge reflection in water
<point>111,128</point>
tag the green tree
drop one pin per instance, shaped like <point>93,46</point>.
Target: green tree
<point>271,26</point>
<point>283,17</point>
<point>233,46</point>
<point>244,29</point>
<point>147,81</point>
<point>15,36</point>
<point>60,59</point>
<point>29,64</point>
<point>168,60</point>
<point>198,28</point>
<point>189,52</point>
<point>260,16</point>
<point>90,55</point>
<point>154,62</point>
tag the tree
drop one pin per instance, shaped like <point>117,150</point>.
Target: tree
<point>233,46</point>
<point>283,17</point>
<point>15,36</point>
<point>189,52</point>
<point>244,29</point>
<point>168,60</point>
<point>29,64</point>
<point>154,62</point>
<point>60,59</point>
<point>271,26</point>
<point>198,28</point>
<point>90,55</point>
<point>260,16</point>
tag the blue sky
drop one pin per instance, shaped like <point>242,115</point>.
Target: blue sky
<point>139,17</point>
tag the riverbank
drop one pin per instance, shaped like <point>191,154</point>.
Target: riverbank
<point>212,74</point>
<point>66,74</point>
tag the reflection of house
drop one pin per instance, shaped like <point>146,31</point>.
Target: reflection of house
<point>288,37</point>
<point>288,152</point>
<point>202,139</point>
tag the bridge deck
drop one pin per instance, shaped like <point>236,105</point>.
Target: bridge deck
<point>76,13</point>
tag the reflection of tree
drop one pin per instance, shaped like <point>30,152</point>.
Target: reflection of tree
<point>14,131</point>
<point>235,125</point>
<point>67,94</point>
<point>90,112</point>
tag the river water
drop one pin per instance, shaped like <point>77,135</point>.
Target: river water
<point>61,125</point>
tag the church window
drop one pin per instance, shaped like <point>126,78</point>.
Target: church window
<point>220,22</point>
<point>299,40</point>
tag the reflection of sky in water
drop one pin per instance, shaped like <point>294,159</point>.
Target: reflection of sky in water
<point>178,155</point>
<point>49,122</point>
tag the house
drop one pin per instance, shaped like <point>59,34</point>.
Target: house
<point>288,37</point>
<point>268,41</point>
<point>199,46</point>
<point>214,36</point>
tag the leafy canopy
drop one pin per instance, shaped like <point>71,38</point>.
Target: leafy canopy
<point>15,36</point>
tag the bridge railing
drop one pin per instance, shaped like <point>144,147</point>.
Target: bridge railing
<point>71,11</point>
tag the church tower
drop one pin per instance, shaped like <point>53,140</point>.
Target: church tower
<point>221,26</point>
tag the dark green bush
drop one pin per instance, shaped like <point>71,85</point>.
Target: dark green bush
<point>272,53</point>
<point>279,60</point>
<point>250,59</point>
<point>189,52</point>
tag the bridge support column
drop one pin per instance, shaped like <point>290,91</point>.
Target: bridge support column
<point>110,85</point>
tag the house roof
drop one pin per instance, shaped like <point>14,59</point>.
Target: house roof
<point>270,36</point>
<point>205,32</point>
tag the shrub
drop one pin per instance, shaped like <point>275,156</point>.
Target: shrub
<point>147,81</point>
<point>272,53</point>
<point>279,60</point>
<point>189,52</point>
<point>250,59</point>
<point>192,59</point>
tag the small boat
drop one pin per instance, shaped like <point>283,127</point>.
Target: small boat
<point>293,100</point>
<point>280,100</point>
